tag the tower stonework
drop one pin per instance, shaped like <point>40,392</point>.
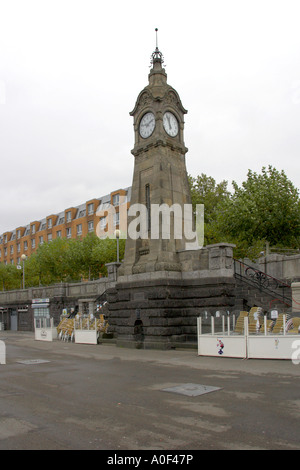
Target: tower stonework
<point>160,175</point>
<point>161,285</point>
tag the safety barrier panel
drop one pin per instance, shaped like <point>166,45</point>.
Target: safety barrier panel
<point>44,329</point>
<point>85,331</point>
<point>246,344</point>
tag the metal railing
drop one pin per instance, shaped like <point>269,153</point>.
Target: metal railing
<point>276,288</point>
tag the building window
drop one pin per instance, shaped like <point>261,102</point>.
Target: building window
<point>79,229</point>
<point>33,243</point>
<point>116,218</point>
<point>103,223</point>
<point>90,209</point>
<point>18,233</point>
<point>49,223</point>
<point>69,216</point>
<point>58,234</point>
<point>33,229</point>
<point>11,250</point>
<point>18,247</point>
<point>25,245</point>
<point>41,312</point>
<point>5,251</point>
<point>5,238</point>
<point>49,237</point>
<point>116,199</point>
<point>69,232</point>
<point>90,225</point>
<point>41,240</point>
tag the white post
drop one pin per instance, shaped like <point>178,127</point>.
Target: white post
<point>265,324</point>
<point>212,325</point>
<point>199,325</point>
<point>246,326</point>
<point>223,325</point>
<point>2,352</point>
<point>284,324</point>
<point>228,325</point>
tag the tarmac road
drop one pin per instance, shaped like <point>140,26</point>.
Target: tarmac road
<point>108,398</point>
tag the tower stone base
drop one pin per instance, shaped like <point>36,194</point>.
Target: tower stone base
<point>160,309</point>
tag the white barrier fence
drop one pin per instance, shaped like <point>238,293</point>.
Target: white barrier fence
<point>86,334</point>
<point>44,329</point>
<point>246,345</point>
<point>83,330</point>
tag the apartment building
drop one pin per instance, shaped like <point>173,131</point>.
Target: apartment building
<point>73,222</point>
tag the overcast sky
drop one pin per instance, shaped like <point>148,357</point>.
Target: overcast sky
<point>71,70</point>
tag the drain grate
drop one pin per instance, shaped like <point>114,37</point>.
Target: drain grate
<point>192,390</point>
<point>32,361</point>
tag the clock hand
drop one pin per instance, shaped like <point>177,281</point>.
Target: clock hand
<point>168,117</point>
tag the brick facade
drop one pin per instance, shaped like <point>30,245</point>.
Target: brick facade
<point>73,222</point>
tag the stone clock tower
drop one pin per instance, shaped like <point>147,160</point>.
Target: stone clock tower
<point>160,176</point>
<point>161,285</point>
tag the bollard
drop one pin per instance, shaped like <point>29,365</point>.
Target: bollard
<point>2,353</point>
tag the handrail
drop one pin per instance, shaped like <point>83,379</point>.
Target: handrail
<point>263,281</point>
<point>261,273</point>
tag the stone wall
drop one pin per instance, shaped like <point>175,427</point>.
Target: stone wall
<point>64,295</point>
<point>279,266</point>
<point>160,309</point>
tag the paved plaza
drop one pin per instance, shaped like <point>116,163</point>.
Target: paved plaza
<point>58,395</point>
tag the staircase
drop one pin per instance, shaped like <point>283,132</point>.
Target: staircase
<point>256,288</point>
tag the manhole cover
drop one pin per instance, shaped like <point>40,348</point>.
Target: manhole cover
<point>32,361</point>
<point>192,390</point>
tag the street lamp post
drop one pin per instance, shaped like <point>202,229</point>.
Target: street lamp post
<point>23,258</point>
<point>117,234</point>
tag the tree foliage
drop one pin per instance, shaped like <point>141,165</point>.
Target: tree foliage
<point>63,260</point>
<point>205,190</point>
<point>265,208</point>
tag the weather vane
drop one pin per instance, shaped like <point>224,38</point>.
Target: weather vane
<point>157,55</point>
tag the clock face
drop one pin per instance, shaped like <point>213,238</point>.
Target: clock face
<point>170,124</point>
<point>147,125</point>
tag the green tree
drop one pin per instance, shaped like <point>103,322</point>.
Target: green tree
<point>82,261</point>
<point>265,208</point>
<point>10,277</point>
<point>52,262</point>
<point>106,252</point>
<point>205,190</point>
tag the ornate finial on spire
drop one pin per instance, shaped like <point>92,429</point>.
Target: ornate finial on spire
<point>157,55</point>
